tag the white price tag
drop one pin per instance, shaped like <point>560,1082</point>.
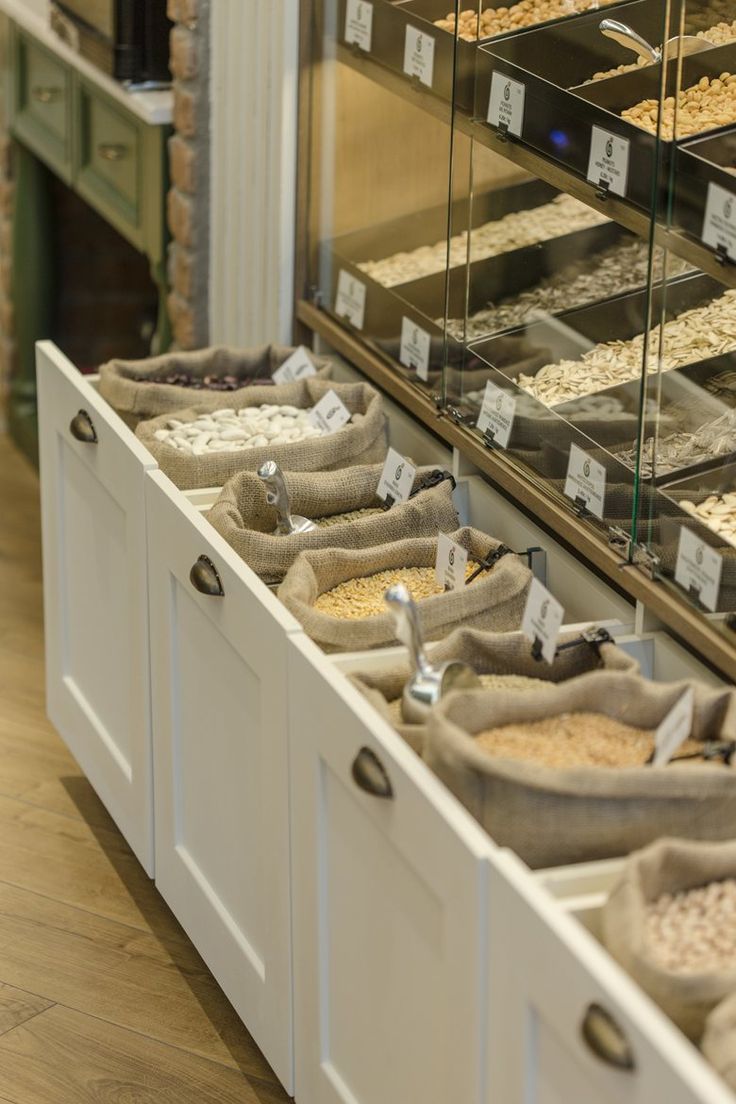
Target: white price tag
<point>452,561</point>
<point>330,413</point>
<point>359,24</point>
<point>497,414</point>
<point>419,55</point>
<point>415,346</point>
<point>698,568</point>
<point>298,366</point>
<point>350,299</point>
<point>719,224</point>
<point>609,160</point>
<point>674,729</point>
<point>506,105</point>
<point>586,481</point>
<point>397,477</point>
<point>542,619</point>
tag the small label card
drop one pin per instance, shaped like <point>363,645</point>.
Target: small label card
<point>359,24</point>
<point>609,160</point>
<point>350,299</point>
<point>506,105</point>
<point>674,729</point>
<point>397,477</point>
<point>497,414</point>
<point>415,346</point>
<point>298,366</point>
<point>719,224</point>
<point>586,481</point>
<point>698,568</point>
<point>419,55</point>
<point>330,413</point>
<point>452,561</point>
<point>542,620</point>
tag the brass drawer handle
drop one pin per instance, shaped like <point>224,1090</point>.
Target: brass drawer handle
<point>82,428</point>
<point>46,94</point>
<point>205,578</point>
<point>370,774</point>
<point>606,1039</point>
<point>112,151</point>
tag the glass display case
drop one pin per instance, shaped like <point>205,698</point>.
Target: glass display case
<point>521,221</point>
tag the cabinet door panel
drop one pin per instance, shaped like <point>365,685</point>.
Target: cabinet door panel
<point>221,765</point>
<point>547,975</point>
<point>388,927</point>
<point>95,594</point>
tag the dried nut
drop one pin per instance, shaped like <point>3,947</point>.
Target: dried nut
<point>694,931</point>
<point>251,427</point>
<point>681,450</point>
<point>709,103</point>
<point>717,513</point>
<point>527,13</point>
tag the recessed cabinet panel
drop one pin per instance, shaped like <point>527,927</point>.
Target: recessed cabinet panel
<point>221,763</point>
<point>388,909</point>
<point>95,592</point>
<point>42,102</point>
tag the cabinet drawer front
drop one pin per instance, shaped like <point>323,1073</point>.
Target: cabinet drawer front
<point>43,103</point>
<point>95,592</point>
<point>555,994</point>
<point>110,161</point>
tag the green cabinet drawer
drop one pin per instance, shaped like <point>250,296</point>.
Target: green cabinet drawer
<point>42,103</point>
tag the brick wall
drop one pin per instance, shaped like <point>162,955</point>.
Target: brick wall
<point>189,153</point>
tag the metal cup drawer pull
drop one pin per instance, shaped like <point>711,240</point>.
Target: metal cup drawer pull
<point>46,94</point>
<point>82,428</point>
<point>606,1039</point>
<point>112,151</point>
<point>205,578</point>
<point>370,774</point>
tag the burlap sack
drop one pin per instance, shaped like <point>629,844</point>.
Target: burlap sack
<point>361,441</point>
<point>246,521</point>
<point>668,866</point>
<point>719,1039</point>
<point>133,400</point>
<point>551,816</point>
<point>496,600</point>
<point>489,654</point>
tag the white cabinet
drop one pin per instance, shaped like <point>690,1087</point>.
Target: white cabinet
<point>219,670</point>
<point>566,1025</point>
<point>388,875</point>
<point>95,592</point>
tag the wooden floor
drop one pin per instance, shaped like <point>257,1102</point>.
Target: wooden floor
<point>102,996</point>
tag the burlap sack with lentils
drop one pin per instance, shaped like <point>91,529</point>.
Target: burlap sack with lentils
<point>129,385</point>
<point>669,866</point>
<point>719,1039</point>
<point>550,815</point>
<point>246,521</point>
<point>496,600</point>
<point>362,441</point>
<point>487,653</point>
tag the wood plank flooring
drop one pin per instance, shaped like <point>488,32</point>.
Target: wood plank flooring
<point>102,996</point>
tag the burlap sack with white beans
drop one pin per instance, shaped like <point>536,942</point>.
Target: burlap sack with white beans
<point>496,600</point>
<point>719,1039</point>
<point>551,816</point>
<point>126,384</point>
<point>669,866</point>
<point>489,654</point>
<point>362,441</point>
<point>243,517</point>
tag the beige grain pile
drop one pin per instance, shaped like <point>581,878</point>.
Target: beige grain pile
<point>351,515</point>
<point>709,103</point>
<point>719,35</point>
<point>694,931</point>
<point>527,13</point>
<point>364,597</point>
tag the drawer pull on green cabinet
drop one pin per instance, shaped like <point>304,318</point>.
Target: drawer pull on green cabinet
<point>606,1039</point>
<point>370,774</point>
<point>82,428</point>
<point>205,578</point>
<point>46,94</point>
<point>112,151</point>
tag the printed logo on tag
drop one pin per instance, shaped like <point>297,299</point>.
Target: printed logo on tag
<point>698,568</point>
<point>350,299</point>
<point>330,413</point>
<point>359,24</point>
<point>586,481</point>
<point>674,729</point>
<point>609,160</point>
<point>419,55</point>
<point>298,366</point>
<point>719,224</point>
<point>542,620</point>
<point>451,563</point>
<point>415,348</point>
<point>397,477</point>
<point>506,104</point>
<point>497,414</point>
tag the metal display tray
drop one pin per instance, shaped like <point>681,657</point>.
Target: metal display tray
<point>701,162</point>
<point>558,119</point>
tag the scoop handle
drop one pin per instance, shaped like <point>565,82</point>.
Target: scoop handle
<point>626,36</point>
<point>277,495</point>
<point>408,630</point>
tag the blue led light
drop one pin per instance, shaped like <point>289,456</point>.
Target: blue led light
<point>559,139</point>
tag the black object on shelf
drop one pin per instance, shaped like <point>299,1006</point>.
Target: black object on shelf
<point>127,39</point>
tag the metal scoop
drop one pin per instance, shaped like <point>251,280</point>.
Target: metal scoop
<point>427,684</point>
<point>278,497</point>
<point>680,45</point>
